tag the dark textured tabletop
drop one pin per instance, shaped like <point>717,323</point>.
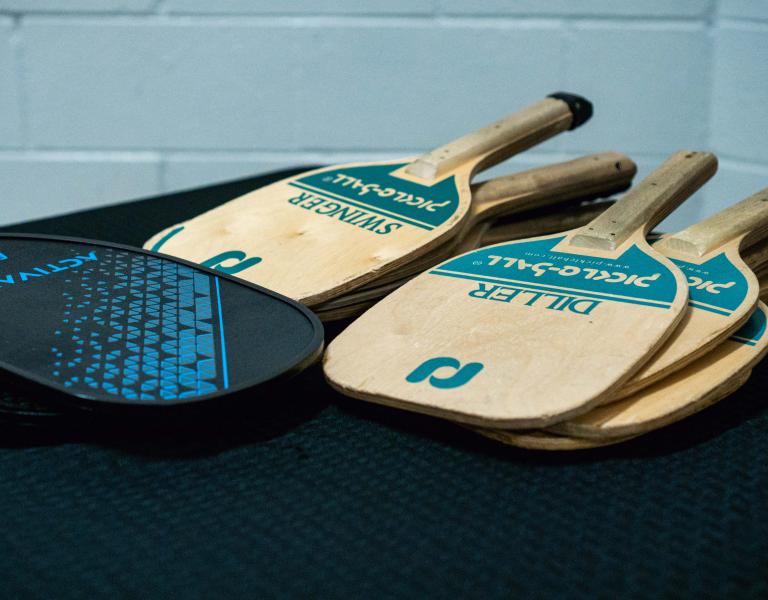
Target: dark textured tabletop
<point>304,493</point>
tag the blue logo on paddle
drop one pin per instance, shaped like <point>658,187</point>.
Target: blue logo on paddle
<point>715,285</point>
<point>231,261</point>
<point>460,376</point>
<point>241,262</point>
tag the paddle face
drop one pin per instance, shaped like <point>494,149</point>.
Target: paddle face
<point>295,236</point>
<point>704,382</point>
<point>514,335</point>
<point>723,292</point>
<point>111,324</point>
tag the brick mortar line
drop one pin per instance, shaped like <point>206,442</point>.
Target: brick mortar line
<point>372,154</point>
<point>309,20</point>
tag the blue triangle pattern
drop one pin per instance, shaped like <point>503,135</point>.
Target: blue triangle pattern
<point>151,329</point>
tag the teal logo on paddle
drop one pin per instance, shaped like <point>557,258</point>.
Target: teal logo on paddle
<point>534,273</point>
<point>715,285</point>
<point>460,376</point>
<point>241,260</point>
<point>371,195</point>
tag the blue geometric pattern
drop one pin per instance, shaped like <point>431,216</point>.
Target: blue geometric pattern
<point>141,328</point>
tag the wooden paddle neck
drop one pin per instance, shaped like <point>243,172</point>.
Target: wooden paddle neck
<point>604,174</point>
<point>496,142</point>
<point>745,222</point>
<point>649,202</point>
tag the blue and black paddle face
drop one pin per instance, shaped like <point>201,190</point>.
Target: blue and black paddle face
<point>114,324</point>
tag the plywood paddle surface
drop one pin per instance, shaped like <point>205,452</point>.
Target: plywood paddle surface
<point>523,334</point>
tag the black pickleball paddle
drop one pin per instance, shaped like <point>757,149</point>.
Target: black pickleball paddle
<point>108,324</point>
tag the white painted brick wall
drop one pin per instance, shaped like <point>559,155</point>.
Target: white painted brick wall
<point>106,100</point>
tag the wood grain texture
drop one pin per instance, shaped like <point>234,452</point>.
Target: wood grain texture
<point>313,236</point>
<point>756,255</point>
<point>356,301</point>
<point>349,311</point>
<point>745,221</point>
<point>542,440</point>
<point>533,363</point>
<point>762,277</point>
<point>652,200</point>
<point>538,366</point>
<point>524,128</point>
<point>596,174</point>
<point>704,382</point>
<point>507,196</point>
<point>699,250</point>
<point>700,385</point>
<point>604,173</point>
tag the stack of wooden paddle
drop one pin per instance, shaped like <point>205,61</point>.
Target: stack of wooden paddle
<point>579,339</point>
<point>325,236</point>
<point>339,239</point>
<point>535,202</point>
<point>548,335</point>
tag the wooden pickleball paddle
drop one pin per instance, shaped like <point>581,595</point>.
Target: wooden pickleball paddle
<point>357,301</point>
<point>107,324</point>
<point>507,197</point>
<point>583,178</point>
<point>707,380</point>
<point>723,290</point>
<point>527,333</point>
<point>315,235</point>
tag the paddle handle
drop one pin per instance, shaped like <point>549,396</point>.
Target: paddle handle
<point>500,140</point>
<point>649,202</point>
<point>756,256</point>
<point>554,222</point>
<point>606,173</point>
<point>747,219</point>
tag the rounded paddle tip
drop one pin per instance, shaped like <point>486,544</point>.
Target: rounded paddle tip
<point>581,108</point>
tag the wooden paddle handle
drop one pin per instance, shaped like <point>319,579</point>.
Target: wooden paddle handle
<point>605,173</point>
<point>649,202</point>
<point>554,222</point>
<point>756,255</point>
<point>747,219</point>
<point>500,140</point>
<point>762,277</point>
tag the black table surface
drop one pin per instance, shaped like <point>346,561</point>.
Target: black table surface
<point>310,494</point>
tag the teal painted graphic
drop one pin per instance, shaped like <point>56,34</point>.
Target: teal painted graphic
<point>241,260</point>
<point>532,272</point>
<point>373,188</point>
<point>753,330</point>
<point>461,376</point>
<point>715,285</point>
<point>159,243</point>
